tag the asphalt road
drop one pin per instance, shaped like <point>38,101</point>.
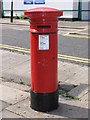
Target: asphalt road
<point>19,36</point>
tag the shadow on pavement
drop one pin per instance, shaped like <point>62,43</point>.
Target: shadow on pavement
<point>70,111</point>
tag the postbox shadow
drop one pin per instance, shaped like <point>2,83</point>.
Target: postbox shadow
<point>71,108</point>
<point>70,111</point>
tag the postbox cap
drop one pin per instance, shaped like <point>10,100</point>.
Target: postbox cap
<point>43,12</point>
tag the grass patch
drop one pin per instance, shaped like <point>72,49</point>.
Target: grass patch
<point>66,94</point>
<point>17,17</point>
<point>2,77</point>
<point>21,81</point>
<point>22,17</point>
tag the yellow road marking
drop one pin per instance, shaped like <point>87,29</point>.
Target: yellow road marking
<point>25,50</point>
<point>76,35</point>
<point>72,58</point>
<point>3,45</point>
<point>19,49</point>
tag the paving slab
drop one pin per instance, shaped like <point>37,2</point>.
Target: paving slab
<point>14,76</point>
<point>23,108</point>
<point>16,67</point>
<point>81,76</point>
<point>16,97</point>
<point>70,72</point>
<point>12,59</point>
<point>85,100</point>
<point>15,21</point>
<point>86,31</point>
<point>64,71</point>
<point>8,114</point>
<point>63,31</point>
<point>66,109</point>
<point>21,87</point>
<point>71,111</point>
<point>66,87</point>
<point>61,64</point>
<point>0,105</point>
<point>0,64</point>
<point>79,91</point>
<point>15,71</point>
<point>24,66</point>
<point>12,95</point>
<point>0,115</point>
<point>75,24</point>
<point>3,105</point>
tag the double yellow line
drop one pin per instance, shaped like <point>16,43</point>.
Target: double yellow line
<point>14,48</point>
<point>73,58</point>
<point>27,51</point>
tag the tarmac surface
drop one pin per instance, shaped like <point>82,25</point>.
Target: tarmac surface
<point>16,35</point>
<point>15,97</point>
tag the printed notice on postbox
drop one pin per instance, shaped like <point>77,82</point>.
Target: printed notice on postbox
<point>43,42</point>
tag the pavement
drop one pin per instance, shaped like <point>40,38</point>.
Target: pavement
<point>72,82</point>
<point>15,97</point>
<point>79,28</point>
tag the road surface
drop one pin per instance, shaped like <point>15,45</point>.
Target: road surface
<point>16,35</point>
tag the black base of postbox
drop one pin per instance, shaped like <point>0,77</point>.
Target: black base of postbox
<point>44,102</point>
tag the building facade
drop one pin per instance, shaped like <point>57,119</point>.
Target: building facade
<point>72,9</point>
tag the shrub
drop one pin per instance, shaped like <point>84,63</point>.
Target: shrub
<point>16,17</point>
<point>22,17</point>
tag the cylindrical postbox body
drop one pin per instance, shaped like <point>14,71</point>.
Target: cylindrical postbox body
<point>43,44</point>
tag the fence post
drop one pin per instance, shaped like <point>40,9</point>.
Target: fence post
<point>2,9</point>
<point>12,11</point>
<point>79,10</point>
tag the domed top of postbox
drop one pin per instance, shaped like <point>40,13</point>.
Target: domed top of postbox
<point>43,12</point>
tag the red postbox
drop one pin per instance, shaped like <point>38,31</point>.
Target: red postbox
<point>43,44</point>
